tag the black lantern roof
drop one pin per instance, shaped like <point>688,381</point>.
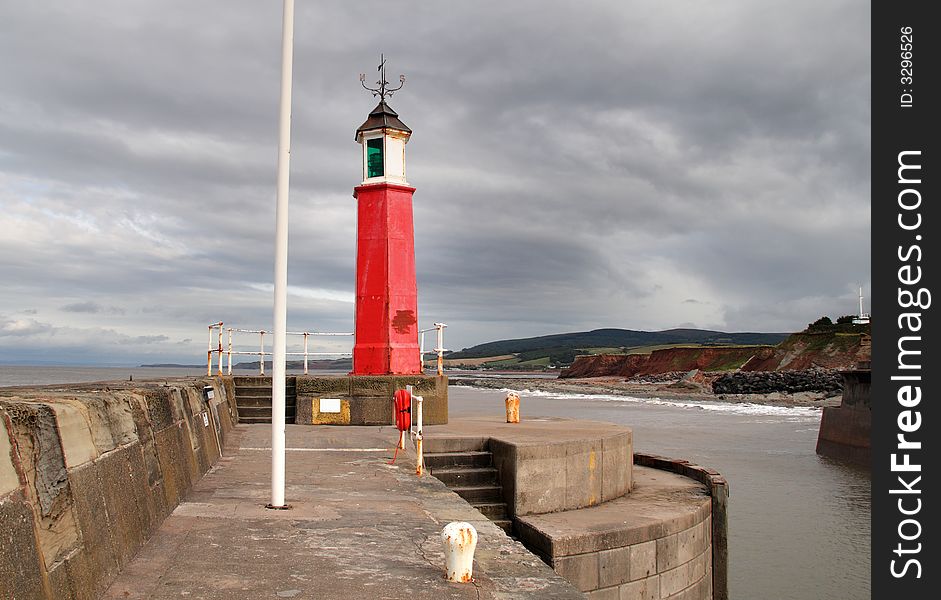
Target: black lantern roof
<point>382,117</point>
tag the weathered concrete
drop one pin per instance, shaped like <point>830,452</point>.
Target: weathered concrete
<point>548,465</point>
<point>718,488</point>
<point>9,478</point>
<point>21,571</point>
<point>652,543</point>
<point>358,528</point>
<point>87,473</point>
<point>308,412</point>
<point>845,430</point>
<point>666,538</point>
<point>367,399</point>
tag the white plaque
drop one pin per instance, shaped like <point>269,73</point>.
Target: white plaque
<point>329,405</point>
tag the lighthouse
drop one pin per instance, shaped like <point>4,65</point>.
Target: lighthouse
<point>386,313</point>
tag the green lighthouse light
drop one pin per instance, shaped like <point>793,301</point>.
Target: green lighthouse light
<point>374,158</point>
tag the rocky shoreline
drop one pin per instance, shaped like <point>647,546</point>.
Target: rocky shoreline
<point>654,389</point>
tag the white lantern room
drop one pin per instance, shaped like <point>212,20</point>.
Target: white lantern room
<point>383,137</point>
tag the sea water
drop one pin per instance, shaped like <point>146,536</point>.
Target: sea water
<point>14,375</point>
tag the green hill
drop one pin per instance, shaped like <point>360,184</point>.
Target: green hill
<point>561,348</point>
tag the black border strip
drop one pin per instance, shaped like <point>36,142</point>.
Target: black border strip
<point>905,104</point>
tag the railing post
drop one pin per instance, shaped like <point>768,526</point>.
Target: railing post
<point>440,349</point>
<point>209,354</point>
<point>419,457</point>
<point>421,349</point>
<point>306,335</point>
<point>262,361</point>
<point>219,337</point>
<point>230,352</point>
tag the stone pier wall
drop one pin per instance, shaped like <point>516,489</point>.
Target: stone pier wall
<point>718,524</point>
<point>367,399</point>
<point>655,543</point>
<point>616,524</point>
<point>845,430</point>
<point>88,473</point>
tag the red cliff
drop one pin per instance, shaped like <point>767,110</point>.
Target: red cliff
<point>828,350</point>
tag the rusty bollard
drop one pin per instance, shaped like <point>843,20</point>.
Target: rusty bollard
<point>512,407</point>
<point>460,541</point>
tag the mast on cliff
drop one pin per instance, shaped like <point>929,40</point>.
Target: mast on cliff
<point>386,317</point>
<point>863,318</point>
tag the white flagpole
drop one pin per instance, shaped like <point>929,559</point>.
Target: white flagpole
<point>281,262</point>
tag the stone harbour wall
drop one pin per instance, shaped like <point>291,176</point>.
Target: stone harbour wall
<point>719,490</point>
<point>655,543</point>
<point>88,473</point>
<point>550,477</point>
<point>367,399</point>
<point>845,430</point>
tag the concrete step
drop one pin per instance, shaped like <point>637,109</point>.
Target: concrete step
<point>443,460</point>
<point>456,444</point>
<point>504,524</point>
<point>261,382</point>
<point>492,510</point>
<point>259,401</point>
<point>262,411</point>
<point>263,420</point>
<point>452,476</point>
<point>471,475</point>
<point>253,401</point>
<point>476,494</point>
<point>262,414</point>
<point>255,420</point>
<point>252,392</point>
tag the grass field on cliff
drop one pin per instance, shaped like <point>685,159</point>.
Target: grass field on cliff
<point>560,350</point>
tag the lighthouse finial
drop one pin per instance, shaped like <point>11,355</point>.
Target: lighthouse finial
<point>383,90</point>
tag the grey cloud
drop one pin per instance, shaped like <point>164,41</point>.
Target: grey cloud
<point>83,307</point>
<point>92,308</point>
<point>574,169</point>
<point>144,339</point>
<point>22,327</point>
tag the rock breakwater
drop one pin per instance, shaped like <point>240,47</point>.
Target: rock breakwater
<point>766,382</point>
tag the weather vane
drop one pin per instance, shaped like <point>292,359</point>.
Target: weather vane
<point>383,90</point>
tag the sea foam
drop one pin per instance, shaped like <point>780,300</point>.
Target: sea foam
<point>738,408</point>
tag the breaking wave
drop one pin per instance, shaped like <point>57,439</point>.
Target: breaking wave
<point>737,408</point>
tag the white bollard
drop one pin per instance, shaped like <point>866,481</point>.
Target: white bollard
<point>460,541</point>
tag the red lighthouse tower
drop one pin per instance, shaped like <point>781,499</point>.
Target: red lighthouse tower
<point>386,326</point>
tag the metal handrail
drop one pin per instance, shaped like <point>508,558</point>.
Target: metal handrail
<point>229,351</point>
<point>439,348</point>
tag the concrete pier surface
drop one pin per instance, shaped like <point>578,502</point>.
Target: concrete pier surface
<point>358,528</point>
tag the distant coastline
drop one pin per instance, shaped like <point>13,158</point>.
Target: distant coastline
<point>316,365</point>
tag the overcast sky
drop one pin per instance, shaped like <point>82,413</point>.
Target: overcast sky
<point>638,164</point>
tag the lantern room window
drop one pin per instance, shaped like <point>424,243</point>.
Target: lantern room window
<point>374,163</point>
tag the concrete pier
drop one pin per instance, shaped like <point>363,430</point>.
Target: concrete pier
<point>154,490</point>
<point>358,528</point>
